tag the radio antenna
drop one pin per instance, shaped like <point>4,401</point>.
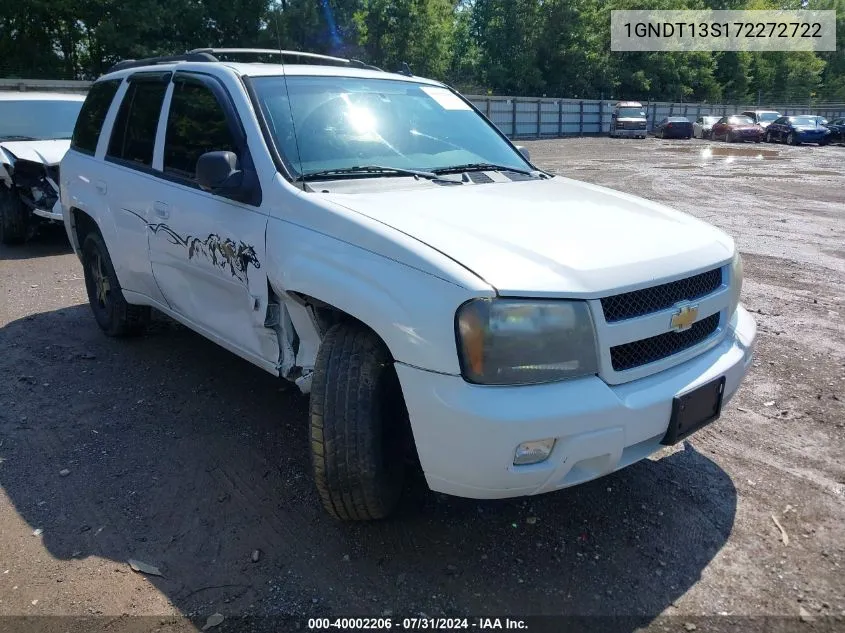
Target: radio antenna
<point>279,7</point>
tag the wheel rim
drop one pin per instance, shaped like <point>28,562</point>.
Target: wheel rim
<point>100,282</point>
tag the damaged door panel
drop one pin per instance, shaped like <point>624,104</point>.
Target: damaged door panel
<point>299,334</point>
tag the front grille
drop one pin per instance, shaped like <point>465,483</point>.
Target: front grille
<point>627,125</point>
<point>639,302</point>
<point>648,350</point>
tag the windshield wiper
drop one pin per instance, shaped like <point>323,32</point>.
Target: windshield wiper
<point>484,167</point>
<point>368,170</point>
<point>15,137</point>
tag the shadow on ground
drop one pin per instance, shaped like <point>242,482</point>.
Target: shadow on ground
<point>51,240</point>
<point>185,457</point>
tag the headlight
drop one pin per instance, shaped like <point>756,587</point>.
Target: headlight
<point>512,342</point>
<point>736,282</point>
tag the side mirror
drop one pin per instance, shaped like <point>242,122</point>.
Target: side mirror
<point>525,153</point>
<point>219,172</point>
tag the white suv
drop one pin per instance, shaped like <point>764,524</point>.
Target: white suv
<point>374,238</point>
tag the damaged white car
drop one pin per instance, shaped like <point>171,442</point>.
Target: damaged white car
<point>35,131</point>
<point>372,237</point>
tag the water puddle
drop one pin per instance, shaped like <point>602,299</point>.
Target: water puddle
<point>728,152</point>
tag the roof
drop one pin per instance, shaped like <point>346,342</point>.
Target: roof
<point>27,95</point>
<point>629,104</point>
<point>201,60</point>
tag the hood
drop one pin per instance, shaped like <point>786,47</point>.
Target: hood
<point>765,123</point>
<point>554,237</point>
<point>809,128</point>
<point>745,126</point>
<point>46,152</point>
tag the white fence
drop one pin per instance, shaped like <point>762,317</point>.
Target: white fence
<point>526,117</point>
<point>532,117</point>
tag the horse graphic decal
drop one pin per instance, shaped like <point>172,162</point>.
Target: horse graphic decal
<point>226,254</point>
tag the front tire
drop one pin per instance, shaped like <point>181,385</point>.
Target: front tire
<point>114,315</point>
<point>791,139</point>
<point>729,137</point>
<point>358,423</point>
<point>14,218</point>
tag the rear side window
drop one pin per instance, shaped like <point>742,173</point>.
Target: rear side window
<point>134,134</point>
<point>86,133</point>
<point>196,124</point>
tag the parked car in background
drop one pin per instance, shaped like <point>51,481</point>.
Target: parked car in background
<point>703,126</point>
<point>35,131</point>
<point>762,117</point>
<point>674,127</point>
<point>373,239</point>
<point>798,129</point>
<point>837,130</point>
<point>736,127</point>
<point>628,119</point>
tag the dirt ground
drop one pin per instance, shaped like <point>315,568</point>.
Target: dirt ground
<point>170,450</point>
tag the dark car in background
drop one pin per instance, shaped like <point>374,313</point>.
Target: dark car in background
<point>798,129</point>
<point>736,127</point>
<point>674,127</point>
<point>837,130</point>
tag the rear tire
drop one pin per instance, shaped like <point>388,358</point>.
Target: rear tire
<point>14,218</point>
<point>360,437</point>
<point>729,137</point>
<point>114,315</point>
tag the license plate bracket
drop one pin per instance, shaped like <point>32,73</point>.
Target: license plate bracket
<point>694,410</point>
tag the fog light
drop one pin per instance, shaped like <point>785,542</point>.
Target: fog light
<point>533,452</point>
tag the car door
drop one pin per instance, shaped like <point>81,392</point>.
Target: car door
<point>208,251</point>
<point>778,126</point>
<point>127,177</point>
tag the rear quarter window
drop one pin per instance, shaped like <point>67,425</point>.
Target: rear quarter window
<point>134,134</point>
<point>86,132</point>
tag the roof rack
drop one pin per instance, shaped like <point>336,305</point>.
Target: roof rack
<point>151,61</point>
<point>299,55</point>
<point>213,54</point>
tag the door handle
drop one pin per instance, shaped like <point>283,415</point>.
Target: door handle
<point>162,210</point>
<point>101,187</point>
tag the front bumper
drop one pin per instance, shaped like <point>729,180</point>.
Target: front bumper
<point>466,434</point>
<point>630,133</point>
<point>53,214</point>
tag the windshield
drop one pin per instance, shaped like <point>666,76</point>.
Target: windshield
<point>710,120</point>
<point>38,120</point>
<point>803,120</point>
<point>330,123</point>
<point>767,116</point>
<point>740,120</point>
<point>630,113</point>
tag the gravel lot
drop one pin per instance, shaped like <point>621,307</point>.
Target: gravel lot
<point>169,450</point>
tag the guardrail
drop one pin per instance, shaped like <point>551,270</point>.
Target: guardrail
<point>48,85</point>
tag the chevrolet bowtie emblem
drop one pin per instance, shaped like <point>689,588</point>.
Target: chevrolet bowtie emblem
<point>684,318</point>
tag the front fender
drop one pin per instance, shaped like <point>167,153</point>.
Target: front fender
<point>412,311</point>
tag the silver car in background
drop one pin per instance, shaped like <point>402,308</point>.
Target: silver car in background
<point>703,126</point>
